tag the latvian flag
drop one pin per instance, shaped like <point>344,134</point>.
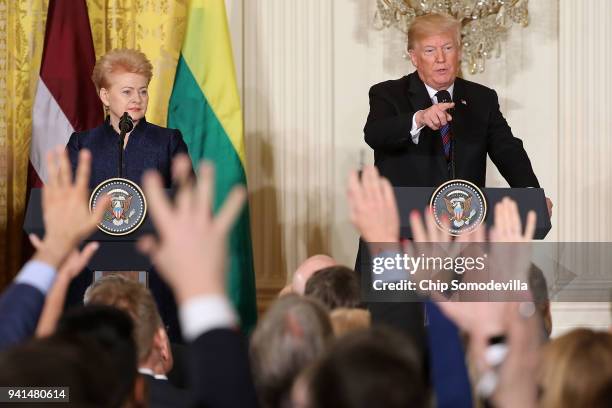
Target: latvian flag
<point>66,99</point>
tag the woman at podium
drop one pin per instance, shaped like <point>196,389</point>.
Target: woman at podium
<point>122,78</point>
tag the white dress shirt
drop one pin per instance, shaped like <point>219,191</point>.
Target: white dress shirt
<point>416,131</point>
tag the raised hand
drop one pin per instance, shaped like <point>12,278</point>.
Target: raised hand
<point>372,206</point>
<point>191,249</point>
<point>69,269</point>
<point>65,206</point>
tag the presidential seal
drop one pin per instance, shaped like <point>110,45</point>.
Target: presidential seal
<point>462,202</point>
<point>127,208</point>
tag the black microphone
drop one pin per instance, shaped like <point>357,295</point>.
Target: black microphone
<point>444,97</point>
<point>126,124</point>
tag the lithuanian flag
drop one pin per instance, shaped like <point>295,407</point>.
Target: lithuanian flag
<point>205,107</point>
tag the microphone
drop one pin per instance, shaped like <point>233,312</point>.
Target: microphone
<point>126,124</point>
<point>444,97</point>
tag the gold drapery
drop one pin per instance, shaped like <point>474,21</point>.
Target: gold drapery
<point>155,27</point>
<point>22,27</point>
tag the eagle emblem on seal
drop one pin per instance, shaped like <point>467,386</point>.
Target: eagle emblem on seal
<point>118,211</point>
<point>460,210</point>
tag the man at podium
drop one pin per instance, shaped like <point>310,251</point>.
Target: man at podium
<point>430,126</point>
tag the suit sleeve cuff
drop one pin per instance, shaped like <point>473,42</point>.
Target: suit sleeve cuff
<point>204,313</point>
<point>37,274</point>
<point>415,131</point>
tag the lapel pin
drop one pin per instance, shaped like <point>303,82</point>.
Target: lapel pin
<point>463,102</point>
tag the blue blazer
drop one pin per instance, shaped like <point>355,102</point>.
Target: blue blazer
<point>20,307</point>
<point>149,147</point>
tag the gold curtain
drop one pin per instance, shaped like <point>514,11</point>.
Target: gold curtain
<point>155,27</point>
<point>22,29</point>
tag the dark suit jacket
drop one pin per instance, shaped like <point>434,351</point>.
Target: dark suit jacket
<point>20,308</point>
<point>478,128</point>
<point>149,147</point>
<point>220,373</point>
<point>162,394</point>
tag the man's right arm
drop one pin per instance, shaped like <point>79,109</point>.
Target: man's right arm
<point>387,128</point>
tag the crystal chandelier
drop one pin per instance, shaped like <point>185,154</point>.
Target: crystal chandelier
<point>483,22</point>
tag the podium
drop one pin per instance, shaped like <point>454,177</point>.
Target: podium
<point>417,198</point>
<point>116,253</point>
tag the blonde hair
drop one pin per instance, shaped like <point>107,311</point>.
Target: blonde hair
<point>432,24</point>
<point>134,299</point>
<point>120,60</point>
<point>346,320</point>
<point>576,370</point>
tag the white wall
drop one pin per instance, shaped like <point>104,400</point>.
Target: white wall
<point>305,68</point>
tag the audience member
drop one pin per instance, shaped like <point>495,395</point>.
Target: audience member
<point>154,354</point>
<point>539,291</point>
<point>305,271</point>
<point>21,304</point>
<point>345,320</point>
<point>377,367</point>
<point>92,352</point>
<point>335,286</point>
<point>291,335</point>
<point>113,330</point>
<point>82,365</point>
<point>576,370</point>
<point>54,302</point>
<point>155,358</point>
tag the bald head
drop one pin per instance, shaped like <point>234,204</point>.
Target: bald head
<point>308,268</point>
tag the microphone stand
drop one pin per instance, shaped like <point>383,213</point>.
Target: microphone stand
<point>125,126</point>
<point>121,141</point>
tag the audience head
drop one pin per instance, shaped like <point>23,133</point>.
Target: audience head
<point>307,269</point>
<point>136,300</point>
<point>291,335</point>
<point>112,330</point>
<point>376,367</point>
<point>347,320</point>
<point>576,370</point>
<point>80,364</point>
<point>434,46</point>
<point>334,286</point>
<point>92,352</point>
<point>539,291</point>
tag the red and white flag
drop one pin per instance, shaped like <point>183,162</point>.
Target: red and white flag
<point>66,99</point>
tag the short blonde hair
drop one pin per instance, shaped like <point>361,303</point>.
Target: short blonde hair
<point>346,320</point>
<point>576,370</point>
<point>133,298</point>
<point>121,60</point>
<point>432,24</point>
